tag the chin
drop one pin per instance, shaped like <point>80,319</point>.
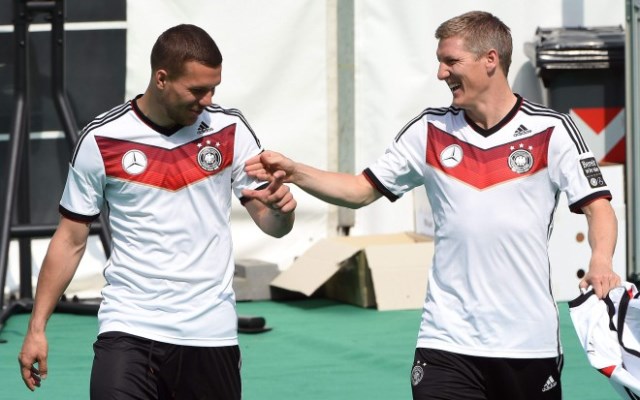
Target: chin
<point>458,101</point>
<point>190,120</point>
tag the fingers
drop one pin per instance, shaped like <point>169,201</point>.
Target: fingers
<point>267,166</point>
<point>33,360</point>
<point>583,285</point>
<point>601,284</point>
<point>276,196</point>
<point>28,378</point>
<point>289,206</point>
<point>256,169</point>
<point>598,289</point>
<point>276,182</point>
<point>257,162</point>
<point>42,365</point>
<point>31,376</point>
<point>251,193</point>
<point>253,161</point>
<point>286,204</point>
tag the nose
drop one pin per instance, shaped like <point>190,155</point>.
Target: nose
<point>443,71</point>
<point>207,99</point>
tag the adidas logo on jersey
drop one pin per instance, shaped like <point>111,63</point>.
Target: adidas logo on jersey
<point>203,128</point>
<point>522,130</point>
<point>550,384</point>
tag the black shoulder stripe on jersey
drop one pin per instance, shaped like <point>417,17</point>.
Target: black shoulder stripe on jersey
<point>237,113</point>
<point>100,120</point>
<point>535,109</point>
<point>576,137</point>
<point>109,116</point>
<point>432,111</point>
<point>579,137</point>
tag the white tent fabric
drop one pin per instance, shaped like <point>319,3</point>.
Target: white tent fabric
<point>275,70</point>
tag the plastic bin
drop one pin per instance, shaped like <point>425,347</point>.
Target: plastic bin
<point>582,70</point>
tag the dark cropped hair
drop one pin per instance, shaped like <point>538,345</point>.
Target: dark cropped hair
<point>183,43</point>
<point>481,32</point>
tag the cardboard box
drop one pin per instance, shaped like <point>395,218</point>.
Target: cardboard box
<point>388,272</point>
<point>252,277</point>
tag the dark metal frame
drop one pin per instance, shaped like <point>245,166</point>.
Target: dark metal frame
<point>18,161</point>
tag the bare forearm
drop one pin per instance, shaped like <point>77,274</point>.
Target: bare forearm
<point>52,283</point>
<point>346,190</point>
<point>57,270</point>
<point>603,232</point>
<point>275,223</point>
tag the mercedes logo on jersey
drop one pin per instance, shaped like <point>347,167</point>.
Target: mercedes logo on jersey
<point>451,156</point>
<point>521,159</point>
<point>209,158</point>
<point>134,162</point>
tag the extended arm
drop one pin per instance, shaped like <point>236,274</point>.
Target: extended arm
<point>353,191</point>
<point>603,234</point>
<point>60,263</point>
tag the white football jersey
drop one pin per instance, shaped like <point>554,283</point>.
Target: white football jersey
<point>609,331</point>
<point>493,194</point>
<point>168,193</point>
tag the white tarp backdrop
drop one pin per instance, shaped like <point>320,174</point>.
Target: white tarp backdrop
<point>276,70</point>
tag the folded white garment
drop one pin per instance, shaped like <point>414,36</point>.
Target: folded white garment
<point>609,331</point>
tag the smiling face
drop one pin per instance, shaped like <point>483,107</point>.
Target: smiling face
<point>184,97</point>
<point>464,72</point>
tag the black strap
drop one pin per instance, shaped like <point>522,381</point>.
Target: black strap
<point>632,395</point>
<point>622,315</point>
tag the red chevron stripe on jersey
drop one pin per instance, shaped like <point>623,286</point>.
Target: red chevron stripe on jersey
<point>170,169</point>
<point>483,168</point>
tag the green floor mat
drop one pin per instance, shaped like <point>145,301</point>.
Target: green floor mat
<point>317,349</point>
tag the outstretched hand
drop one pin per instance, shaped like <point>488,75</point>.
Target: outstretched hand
<point>269,165</point>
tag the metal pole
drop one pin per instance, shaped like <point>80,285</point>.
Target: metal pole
<point>632,76</point>
<point>342,98</point>
<point>18,164</point>
<point>59,95</point>
<point>18,135</point>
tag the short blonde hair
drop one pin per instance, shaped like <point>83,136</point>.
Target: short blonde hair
<point>481,32</point>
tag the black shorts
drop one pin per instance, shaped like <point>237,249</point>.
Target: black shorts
<point>441,375</point>
<point>130,367</point>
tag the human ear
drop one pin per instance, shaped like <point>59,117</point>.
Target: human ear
<point>492,60</point>
<point>160,77</point>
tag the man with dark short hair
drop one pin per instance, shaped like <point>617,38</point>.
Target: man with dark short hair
<point>165,165</point>
<point>493,165</point>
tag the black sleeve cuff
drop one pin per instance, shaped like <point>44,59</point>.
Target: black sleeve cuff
<point>378,185</point>
<point>577,206</point>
